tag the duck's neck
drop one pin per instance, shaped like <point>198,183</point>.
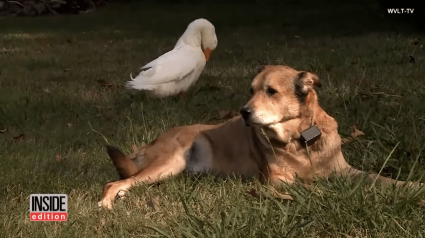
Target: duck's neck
<point>192,37</point>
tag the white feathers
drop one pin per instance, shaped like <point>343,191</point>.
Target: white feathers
<point>178,69</point>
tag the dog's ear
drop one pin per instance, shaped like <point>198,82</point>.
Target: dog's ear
<point>260,68</point>
<point>263,67</point>
<point>306,81</point>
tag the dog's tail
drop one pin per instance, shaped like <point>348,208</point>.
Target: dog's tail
<point>124,165</point>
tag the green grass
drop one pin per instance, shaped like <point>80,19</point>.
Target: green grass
<point>48,91</point>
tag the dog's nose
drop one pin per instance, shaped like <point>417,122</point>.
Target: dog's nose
<point>246,112</point>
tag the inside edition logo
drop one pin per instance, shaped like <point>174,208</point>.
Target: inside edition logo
<point>48,207</point>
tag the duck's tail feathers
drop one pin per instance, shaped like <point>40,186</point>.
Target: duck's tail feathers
<point>138,85</point>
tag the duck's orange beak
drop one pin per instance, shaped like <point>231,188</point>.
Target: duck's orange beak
<point>207,53</point>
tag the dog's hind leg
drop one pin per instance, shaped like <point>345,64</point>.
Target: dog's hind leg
<point>157,170</point>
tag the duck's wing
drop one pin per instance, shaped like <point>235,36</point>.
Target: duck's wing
<point>172,66</point>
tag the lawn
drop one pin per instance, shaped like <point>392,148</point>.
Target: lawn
<point>62,99</point>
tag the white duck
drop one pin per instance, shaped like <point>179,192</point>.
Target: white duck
<point>175,71</point>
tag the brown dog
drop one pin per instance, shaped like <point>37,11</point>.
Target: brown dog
<point>282,134</point>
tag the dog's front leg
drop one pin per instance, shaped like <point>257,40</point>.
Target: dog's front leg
<point>157,171</point>
<point>373,177</point>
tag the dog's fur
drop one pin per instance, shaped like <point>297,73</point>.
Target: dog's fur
<point>263,142</point>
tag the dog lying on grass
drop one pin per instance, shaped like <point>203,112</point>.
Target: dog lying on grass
<point>282,134</point>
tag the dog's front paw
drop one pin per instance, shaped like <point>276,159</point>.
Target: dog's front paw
<point>109,194</point>
<point>121,194</point>
<point>105,203</point>
<point>111,191</point>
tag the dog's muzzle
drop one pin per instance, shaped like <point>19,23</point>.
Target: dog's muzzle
<point>246,115</point>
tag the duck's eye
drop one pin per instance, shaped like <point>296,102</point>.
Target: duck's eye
<point>251,91</point>
<point>271,91</point>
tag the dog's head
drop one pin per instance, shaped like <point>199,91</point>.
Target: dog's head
<point>279,93</point>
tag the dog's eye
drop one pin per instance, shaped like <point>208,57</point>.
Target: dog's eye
<point>270,91</point>
<point>251,91</point>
